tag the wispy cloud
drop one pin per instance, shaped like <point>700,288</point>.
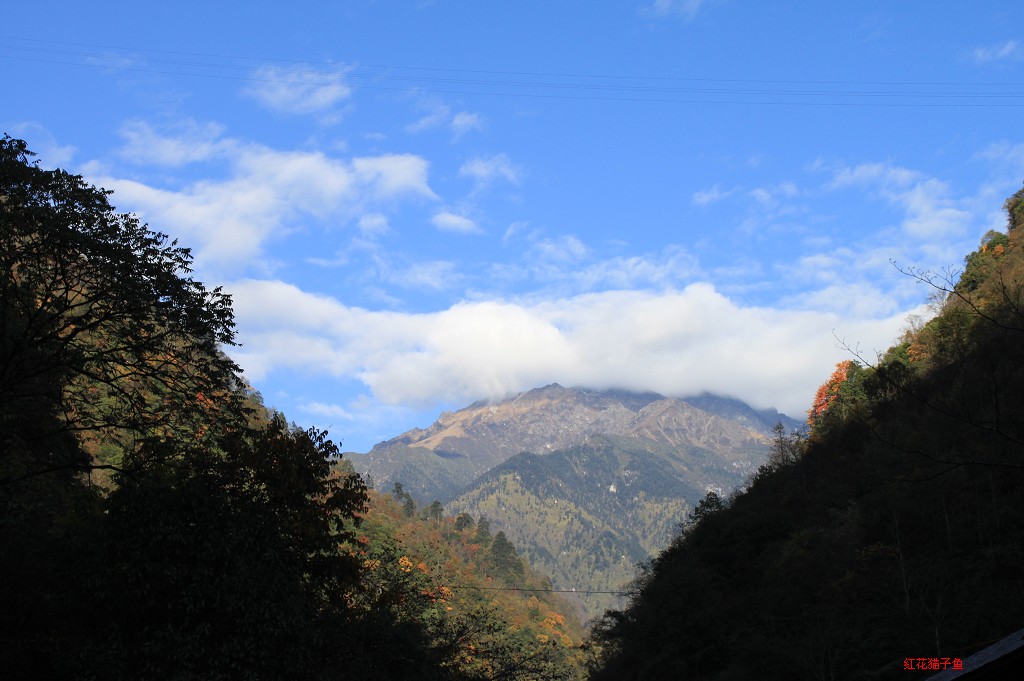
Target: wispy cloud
<point>436,275</point>
<point>486,170</point>
<point>1004,153</point>
<point>300,89</point>
<point>43,142</point>
<point>437,114</point>
<point>392,175</point>
<point>326,410</point>
<point>930,211</point>
<point>883,174</point>
<point>682,8</point>
<point>1008,51</point>
<point>770,196</point>
<point>373,224</point>
<point>711,195</point>
<point>564,249</point>
<point>464,122</point>
<point>674,266</point>
<point>117,62</point>
<point>452,222</point>
<point>190,142</point>
<point>564,265</point>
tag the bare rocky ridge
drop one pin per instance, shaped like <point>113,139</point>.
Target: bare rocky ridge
<point>437,461</point>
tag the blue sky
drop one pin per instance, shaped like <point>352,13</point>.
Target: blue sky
<point>416,205</point>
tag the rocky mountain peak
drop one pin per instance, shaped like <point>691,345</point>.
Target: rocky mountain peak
<point>464,444</point>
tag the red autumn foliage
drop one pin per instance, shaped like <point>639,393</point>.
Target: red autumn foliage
<point>828,392</point>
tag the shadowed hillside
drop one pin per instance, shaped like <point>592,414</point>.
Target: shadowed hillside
<point>895,532</point>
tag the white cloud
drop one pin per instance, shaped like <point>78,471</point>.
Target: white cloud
<point>711,195</point>
<point>1004,152</point>
<point>847,299</point>
<point>1010,50</point>
<point>191,142</point>
<point>566,265</point>
<point>464,121</point>
<point>436,275</point>
<point>300,89</point>
<point>486,170</point>
<point>326,410</point>
<point>42,142</point>
<point>873,173</point>
<point>229,220</point>
<point>394,175</point>
<point>770,195</point>
<point>823,267</point>
<point>373,224</point>
<point>674,342</point>
<point>932,212</point>
<point>339,260</point>
<point>451,222</point>
<point>439,115</point>
<point>568,249</point>
<point>684,8</point>
<point>117,61</point>
<point>929,209</point>
<point>514,229</point>
<point>667,269</point>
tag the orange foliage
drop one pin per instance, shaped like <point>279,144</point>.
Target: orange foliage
<point>828,392</point>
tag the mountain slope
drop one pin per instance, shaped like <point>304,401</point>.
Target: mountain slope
<point>482,611</point>
<point>587,515</point>
<point>587,483</point>
<point>439,461</point>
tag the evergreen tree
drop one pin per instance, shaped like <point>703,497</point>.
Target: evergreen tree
<point>505,560</point>
<point>483,531</point>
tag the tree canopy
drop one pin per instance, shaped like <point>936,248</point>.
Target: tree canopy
<point>102,328</point>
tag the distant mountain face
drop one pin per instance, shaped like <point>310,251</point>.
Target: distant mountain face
<point>586,483</point>
<point>586,515</point>
<point>439,461</point>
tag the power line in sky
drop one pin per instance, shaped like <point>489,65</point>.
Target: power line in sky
<point>547,591</point>
<point>609,88</point>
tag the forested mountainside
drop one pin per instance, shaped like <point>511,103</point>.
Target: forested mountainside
<point>587,483</point>
<point>588,515</point>
<point>156,522</point>
<point>465,589</point>
<point>894,533</point>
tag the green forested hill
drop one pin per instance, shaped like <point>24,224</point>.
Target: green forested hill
<point>467,589</point>
<point>896,531</point>
<point>587,515</point>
